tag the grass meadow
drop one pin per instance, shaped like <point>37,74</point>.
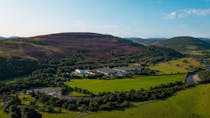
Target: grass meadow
<point>191,103</point>
<point>97,86</point>
<point>182,65</point>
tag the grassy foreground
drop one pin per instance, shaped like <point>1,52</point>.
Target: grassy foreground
<point>183,65</point>
<point>2,114</point>
<point>191,103</point>
<point>97,86</point>
<point>64,114</point>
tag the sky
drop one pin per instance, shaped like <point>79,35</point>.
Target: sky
<point>124,18</point>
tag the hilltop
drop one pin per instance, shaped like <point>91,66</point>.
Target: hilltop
<point>64,44</point>
<point>184,43</point>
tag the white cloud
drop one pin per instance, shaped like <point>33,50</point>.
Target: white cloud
<point>173,15</point>
<point>187,12</point>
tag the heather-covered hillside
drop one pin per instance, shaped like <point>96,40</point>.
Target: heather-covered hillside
<point>27,54</point>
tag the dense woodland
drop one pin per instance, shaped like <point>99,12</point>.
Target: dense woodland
<point>16,67</point>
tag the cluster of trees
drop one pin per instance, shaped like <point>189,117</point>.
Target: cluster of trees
<point>40,78</point>
<point>152,55</point>
<point>204,76</point>
<point>82,103</point>
<point>65,90</point>
<point>116,100</point>
<point>13,106</point>
<point>15,67</point>
<point>18,85</point>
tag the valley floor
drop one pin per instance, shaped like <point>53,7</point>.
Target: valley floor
<point>191,103</point>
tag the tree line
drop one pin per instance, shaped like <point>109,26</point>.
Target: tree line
<point>116,100</point>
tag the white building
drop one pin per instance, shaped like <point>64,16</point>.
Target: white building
<point>83,71</point>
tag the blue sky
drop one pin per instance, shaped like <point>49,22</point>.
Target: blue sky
<point>125,18</point>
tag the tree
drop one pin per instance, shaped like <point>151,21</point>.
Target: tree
<point>29,113</point>
<point>14,112</point>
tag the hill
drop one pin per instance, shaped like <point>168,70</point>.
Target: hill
<point>147,41</point>
<point>42,47</point>
<point>182,65</point>
<point>2,38</point>
<point>184,44</point>
<point>206,39</point>
<point>26,54</point>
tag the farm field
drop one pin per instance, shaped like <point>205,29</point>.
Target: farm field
<point>183,65</point>
<point>97,86</point>
<point>191,103</point>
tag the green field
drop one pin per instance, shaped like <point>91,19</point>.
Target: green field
<point>26,99</point>
<point>183,65</point>
<point>198,53</point>
<point>191,103</point>
<point>2,114</point>
<point>64,114</point>
<point>74,93</point>
<point>97,86</point>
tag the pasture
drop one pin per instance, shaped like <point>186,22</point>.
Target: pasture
<point>198,53</point>
<point>182,65</point>
<point>64,114</point>
<point>191,103</point>
<point>97,86</point>
<point>3,114</point>
<point>74,93</point>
